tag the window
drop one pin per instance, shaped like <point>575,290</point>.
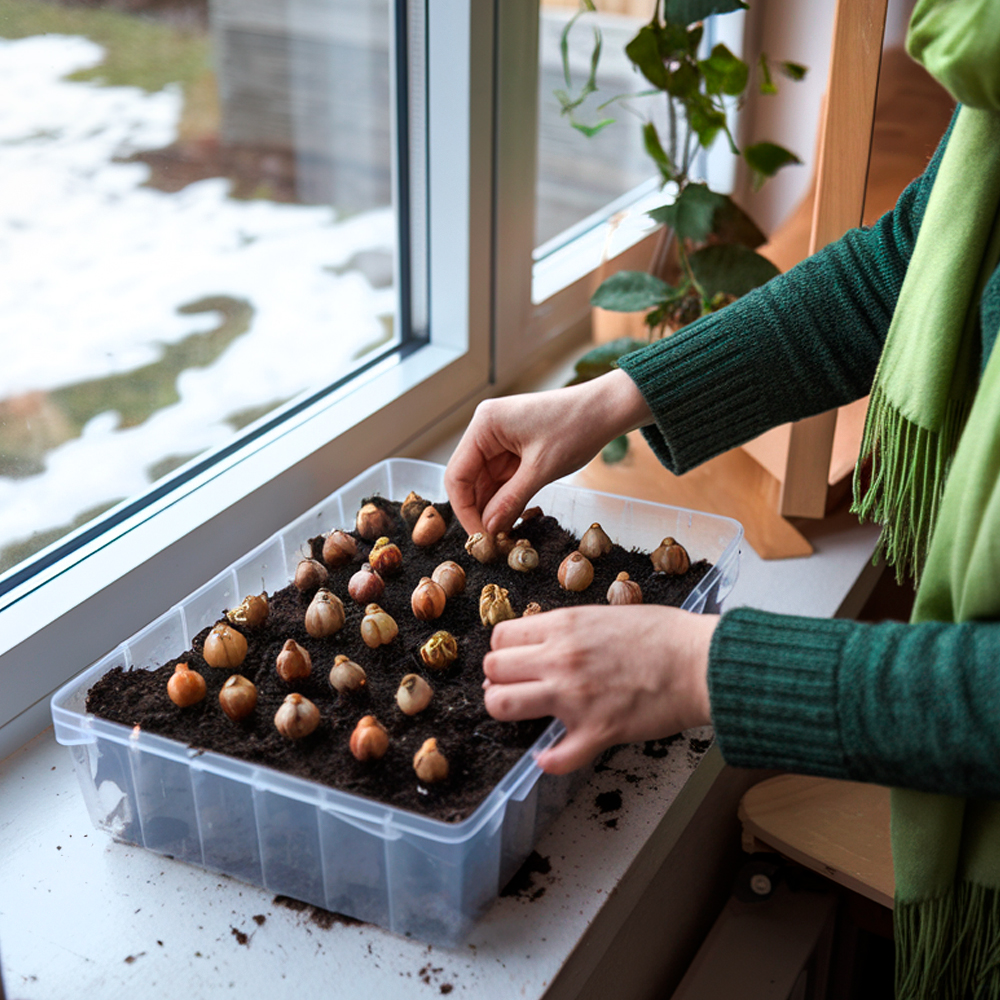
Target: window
<point>134,561</point>
<point>580,175</point>
<point>591,194</point>
<point>184,212</point>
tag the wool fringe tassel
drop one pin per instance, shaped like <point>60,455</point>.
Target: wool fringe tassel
<point>908,469</point>
<point>948,948</point>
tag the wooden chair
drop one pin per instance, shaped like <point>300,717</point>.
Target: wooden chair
<point>839,829</point>
<point>786,934</point>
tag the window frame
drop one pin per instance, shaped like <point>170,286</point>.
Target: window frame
<point>525,326</point>
<point>90,601</point>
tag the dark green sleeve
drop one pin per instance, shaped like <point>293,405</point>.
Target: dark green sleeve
<point>807,341</point>
<point>914,706</point>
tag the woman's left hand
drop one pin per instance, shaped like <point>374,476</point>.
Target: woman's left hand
<point>610,674</point>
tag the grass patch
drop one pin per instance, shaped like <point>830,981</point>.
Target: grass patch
<point>17,552</point>
<point>169,464</point>
<point>139,52</point>
<point>244,418</point>
<point>137,394</point>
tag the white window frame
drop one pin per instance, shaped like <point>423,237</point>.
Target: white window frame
<point>568,278</point>
<point>526,327</point>
<point>53,627</point>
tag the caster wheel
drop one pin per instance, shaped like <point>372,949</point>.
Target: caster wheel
<point>757,880</point>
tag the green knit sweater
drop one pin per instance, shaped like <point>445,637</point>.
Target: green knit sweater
<point>905,705</point>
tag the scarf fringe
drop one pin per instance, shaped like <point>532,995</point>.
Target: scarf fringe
<point>948,948</point>
<point>908,469</point>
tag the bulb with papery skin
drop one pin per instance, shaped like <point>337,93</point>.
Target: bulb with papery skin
<point>225,648</point>
<point>297,717</point>
<point>430,765</point>
<point>186,687</point>
<point>369,741</point>
<point>576,572</point>
<point>414,694</point>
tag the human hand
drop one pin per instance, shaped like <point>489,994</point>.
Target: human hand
<point>609,674</point>
<point>514,445</point>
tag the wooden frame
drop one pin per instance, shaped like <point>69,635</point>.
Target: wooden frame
<point>841,178</point>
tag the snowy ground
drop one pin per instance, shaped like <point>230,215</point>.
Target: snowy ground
<point>96,265</point>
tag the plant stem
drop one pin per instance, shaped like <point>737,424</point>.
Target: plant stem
<point>689,149</point>
<point>686,265</point>
<point>672,118</point>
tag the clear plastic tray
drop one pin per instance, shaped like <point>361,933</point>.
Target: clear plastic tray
<point>391,867</point>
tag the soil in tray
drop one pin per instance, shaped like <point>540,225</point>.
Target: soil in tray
<point>479,749</point>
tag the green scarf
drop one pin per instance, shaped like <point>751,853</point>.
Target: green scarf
<point>932,440</point>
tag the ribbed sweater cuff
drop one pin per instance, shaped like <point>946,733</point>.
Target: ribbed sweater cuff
<point>773,688</point>
<point>680,378</point>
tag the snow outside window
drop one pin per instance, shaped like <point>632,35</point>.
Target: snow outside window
<point>218,299</point>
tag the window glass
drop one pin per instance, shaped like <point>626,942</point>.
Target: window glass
<point>579,175</point>
<point>197,229</point>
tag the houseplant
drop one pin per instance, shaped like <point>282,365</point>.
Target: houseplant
<point>707,254</point>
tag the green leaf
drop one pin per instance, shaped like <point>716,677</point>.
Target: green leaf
<point>615,451</point>
<point>644,52</point>
<point>651,141</point>
<point>730,267</point>
<point>766,83</point>
<point>604,358</point>
<point>626,97</point>
<point>724,72</point>
<point>686,11</point>
<point>705,118</point>
<point>591,130</point>
<point>684,81</point>
<point>765,159</point>
<point>691,216</point>
<point>794,71</point>
<point>694,37</point>
<point>585,7</point>
<point>672,40</point>
<point>567,103</point>
<point>656,316</point>
<point>733,225</point>
<point>595,61</point>
<point>630,291</point>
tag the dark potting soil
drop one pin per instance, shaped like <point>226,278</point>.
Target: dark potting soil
<point>479,749</point>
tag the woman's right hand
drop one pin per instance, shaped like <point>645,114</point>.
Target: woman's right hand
<point>515,445</point>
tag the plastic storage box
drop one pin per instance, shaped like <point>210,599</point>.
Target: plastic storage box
<point>388,866</point>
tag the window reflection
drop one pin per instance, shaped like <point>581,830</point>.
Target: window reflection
<point>197,228</point>
<point>579,175</point>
